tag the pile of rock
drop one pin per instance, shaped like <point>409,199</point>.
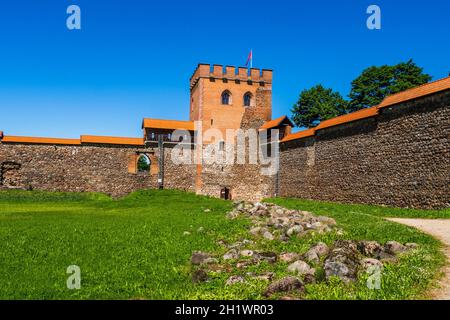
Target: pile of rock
<point>344,259</point>
<point>272,222</point>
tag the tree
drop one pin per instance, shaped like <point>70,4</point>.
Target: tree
<point>317,104</point>
<point>375,83</point>
<point>143,164</point>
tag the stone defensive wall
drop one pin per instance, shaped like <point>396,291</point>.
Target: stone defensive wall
<point>396,153</point>
<point>88,164</point>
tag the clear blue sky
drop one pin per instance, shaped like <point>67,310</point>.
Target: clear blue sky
<point>133,59</point>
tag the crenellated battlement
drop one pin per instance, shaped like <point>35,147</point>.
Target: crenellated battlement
<point>231,73</point>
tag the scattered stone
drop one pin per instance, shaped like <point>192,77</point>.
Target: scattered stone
<point>199,276</point>
<point>311,256</point>
<point>268,276</point>
<point>294,230</point>
<point>234,279</point>
<point>289,298</point>
<point>186,233</point>
<point>366,263</point>
<point>309,278</point>
<point>342,261</point>
<point>289,256</point>
<point>327,220</point>
<point>207,210</point>
<point>218,268</point>
<point>222,242</point>
<point>394,247</point>
<point>317,251</point>
<point>256,231</point>
<point>246,263</point>
<point>269,236</point>
<point>235,245</point>
<point>287,284</point>
<point>247,253</point>
<point>321,249</point>
<point>269,217</point>
<point>199,258</point>
<point>270,257</point>
<point>201,229</point>
<point>386,257</point>
<point>300,267</point>
<point>232,254</point>
<point>411,245</point>
<point>317,225</point>
<point>370,248</point>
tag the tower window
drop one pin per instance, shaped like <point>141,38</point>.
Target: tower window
<point>248,99</point>
<point>226,97</point>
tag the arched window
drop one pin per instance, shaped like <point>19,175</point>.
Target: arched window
<point>143,163</point>
<point>226,97</point>
<point>248,97</point>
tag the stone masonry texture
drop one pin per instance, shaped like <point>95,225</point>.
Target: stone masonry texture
<point>399,158</point>
<point>93,168</point>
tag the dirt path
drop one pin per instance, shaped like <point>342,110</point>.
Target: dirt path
<point>439,229</point>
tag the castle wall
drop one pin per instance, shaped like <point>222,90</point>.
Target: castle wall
<point>398,158</point>
<point>86,168</point>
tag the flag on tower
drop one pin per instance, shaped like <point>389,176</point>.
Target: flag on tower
<point>250,59</point>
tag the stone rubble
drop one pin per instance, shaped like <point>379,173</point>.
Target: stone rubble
<point>344,259</point>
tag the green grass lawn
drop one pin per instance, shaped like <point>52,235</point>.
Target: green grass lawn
<point>136,247</point>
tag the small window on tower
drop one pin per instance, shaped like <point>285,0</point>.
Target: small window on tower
<point>248,99</point>
<point>226,97</point>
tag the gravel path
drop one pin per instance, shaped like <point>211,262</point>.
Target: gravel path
<point>439,229</point>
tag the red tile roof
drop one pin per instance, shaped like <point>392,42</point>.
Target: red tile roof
<point>299,135</point>
<point>414,93</point>
<point>346,118</point>
<point>417,92</point>
<point>83,139</point>
<point>112,140</point>
<point>168,124</point>
<point>275,123</point>
<point>37,140</point>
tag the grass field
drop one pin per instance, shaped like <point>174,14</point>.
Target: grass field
<point>137,247</point>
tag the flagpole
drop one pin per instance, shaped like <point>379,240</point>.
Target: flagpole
<point>251,58</point>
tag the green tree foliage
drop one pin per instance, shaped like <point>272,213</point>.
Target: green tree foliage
<point>143,164</point>
<point>317,104</point>
<point>376,83</point>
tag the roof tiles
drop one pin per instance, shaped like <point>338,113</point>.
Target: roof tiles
<point>168,124</point>
<point>414,93</point>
